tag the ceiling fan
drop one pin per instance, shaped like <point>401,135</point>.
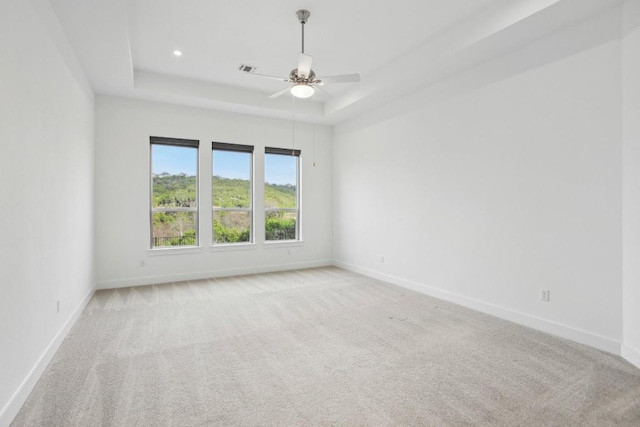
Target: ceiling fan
<point>304,78</point>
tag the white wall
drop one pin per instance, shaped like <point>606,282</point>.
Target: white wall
<point>631,212</point>
<point>502,188</point>
<point>481,197</point>
<point>46,203</point>
<point>122,191</point>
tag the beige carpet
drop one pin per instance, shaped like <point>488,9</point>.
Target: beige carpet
<point>318,347</point>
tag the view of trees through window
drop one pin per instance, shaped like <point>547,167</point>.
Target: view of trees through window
<point>232,193</point>
<point>281,194</point>
<point>174,206</point>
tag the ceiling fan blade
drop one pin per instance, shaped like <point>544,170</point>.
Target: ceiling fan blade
<point>281,79</point>
<point>344,78</point>
<point>316,86</point>
<point>280,93</point>
<point>304,65</point>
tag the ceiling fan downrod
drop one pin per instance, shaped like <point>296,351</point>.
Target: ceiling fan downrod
<point>303,16</point>
<point>303,77</point>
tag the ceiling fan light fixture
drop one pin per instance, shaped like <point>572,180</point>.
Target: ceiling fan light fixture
<point>303,78</point>
<point>302,90</point>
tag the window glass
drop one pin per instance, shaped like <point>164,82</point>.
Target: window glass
<point>281,196</point>
<point>232,194</point>
<point>174,198</point>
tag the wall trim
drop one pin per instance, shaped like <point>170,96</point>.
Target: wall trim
<point>18,399</point>
<point>631,355</point>
<point>180,277</point>
<point>564,331</point>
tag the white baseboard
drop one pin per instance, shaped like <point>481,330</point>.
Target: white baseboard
<point>18,399</point>
<point>631,354</point>
<point>180,277</point>
<point>583,337</point>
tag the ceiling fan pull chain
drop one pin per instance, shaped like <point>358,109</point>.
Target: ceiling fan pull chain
<point>293,125</point>
<point>313,99</point>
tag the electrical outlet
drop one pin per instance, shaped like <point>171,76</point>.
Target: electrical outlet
<point>545,295</point>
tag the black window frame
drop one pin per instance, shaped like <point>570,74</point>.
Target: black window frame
<point>238,148</point>
<point>175,142</point>
<point>298,211</point>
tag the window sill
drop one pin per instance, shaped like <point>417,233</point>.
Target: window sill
<point>282,244</point>
<point>174,251</point>
<point>232,247</point>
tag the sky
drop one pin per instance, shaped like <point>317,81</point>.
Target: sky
<point>174,160</point>
<point>279,169</point>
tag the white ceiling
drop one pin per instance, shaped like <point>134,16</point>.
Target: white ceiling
<point>126,46</point>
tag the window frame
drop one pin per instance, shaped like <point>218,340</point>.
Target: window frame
<point>174,142</point>
<point>237,148</point>
<point>297,210</point>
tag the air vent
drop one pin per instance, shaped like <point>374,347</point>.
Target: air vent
<point>247,68</point>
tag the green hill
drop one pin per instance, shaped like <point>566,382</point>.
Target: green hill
<point>174,190</point>
<point>178,229</point>
<point>231,193</point>
<point>180,191</point>
<point>279,196</point>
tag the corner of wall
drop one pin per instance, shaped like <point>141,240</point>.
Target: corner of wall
<point>21,395</point>
<point>540,324</point>
<point>631,355</point>
<point>49,21</point>
<point>631,182</point>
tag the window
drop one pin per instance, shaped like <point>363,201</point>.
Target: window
<point>174,192</point>
<point>232,197</point>
<point>281,194</point>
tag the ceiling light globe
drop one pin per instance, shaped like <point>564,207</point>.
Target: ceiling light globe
<point>302,90</point>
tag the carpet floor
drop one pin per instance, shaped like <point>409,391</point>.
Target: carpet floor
<point>318,347</point>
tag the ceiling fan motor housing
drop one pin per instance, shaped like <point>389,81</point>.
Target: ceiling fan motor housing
<point>304,79</point>
<point>295,78</point>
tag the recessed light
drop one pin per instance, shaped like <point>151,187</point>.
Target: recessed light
<point>177,52</point>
